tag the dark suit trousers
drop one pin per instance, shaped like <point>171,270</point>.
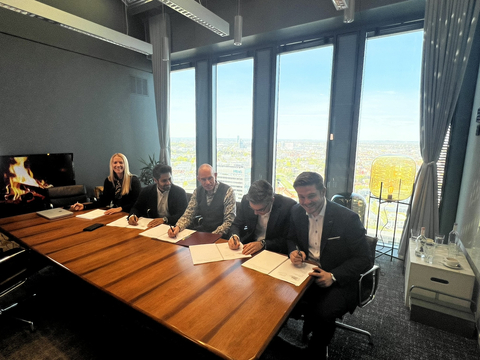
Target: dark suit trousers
<point>321,307</point>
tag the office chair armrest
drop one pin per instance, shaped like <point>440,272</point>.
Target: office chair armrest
<point>10,254</point>
<point>375,272</point>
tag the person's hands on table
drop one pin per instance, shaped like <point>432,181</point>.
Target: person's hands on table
<point>113,211</point>
<point>155,222</point>
<point>252,248</point>
<point>76,207</point>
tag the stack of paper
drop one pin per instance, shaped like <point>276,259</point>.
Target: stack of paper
<point>160,232</point>
<point>206,253</point>
<point>92,214</point>
<point>280,267</point>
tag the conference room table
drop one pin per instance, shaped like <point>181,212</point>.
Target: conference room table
<point>231,310</point>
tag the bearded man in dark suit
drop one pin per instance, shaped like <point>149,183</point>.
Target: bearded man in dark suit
<point>162,201</point>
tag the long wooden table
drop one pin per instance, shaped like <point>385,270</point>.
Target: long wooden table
<point>231,310</point>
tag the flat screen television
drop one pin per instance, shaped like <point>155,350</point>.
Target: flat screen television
<point>25,180</point>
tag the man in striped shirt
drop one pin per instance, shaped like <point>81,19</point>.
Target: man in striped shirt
<point>213,203</point>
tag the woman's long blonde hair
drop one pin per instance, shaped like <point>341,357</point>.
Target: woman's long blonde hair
<point>127,176</point>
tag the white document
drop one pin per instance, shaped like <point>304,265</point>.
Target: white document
<point>142,224</point>
<point>182,235</point>
<point>123,222</point>
<point>229,254</point>
<point>293,274</point>
<point>280,267</point>
<point>206,253</point>
<point>265,262</point>
<point>92,214</point>
<point>156,231</point>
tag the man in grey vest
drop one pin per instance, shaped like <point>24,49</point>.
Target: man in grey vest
<point>213,201</point>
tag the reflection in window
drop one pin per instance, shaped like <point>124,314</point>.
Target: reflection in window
<point>182,128</point>
<point>234,124</point>
<point>302,116</point>
<point>389,117</point>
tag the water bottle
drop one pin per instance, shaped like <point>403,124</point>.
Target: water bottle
<point>453,242</point>
<point>420,244</point>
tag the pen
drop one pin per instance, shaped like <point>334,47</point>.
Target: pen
<point>298,251</point>
<point>234,237</point>
<point>173,230</point>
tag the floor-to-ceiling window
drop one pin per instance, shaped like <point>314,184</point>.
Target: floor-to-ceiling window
<point>182,128</point>
<point>234,124</point>
<point>303,105</point>
<point>389,119</point>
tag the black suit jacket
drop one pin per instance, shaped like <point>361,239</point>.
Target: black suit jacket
<point>277,228</point>
<point>146,204</point>
<point>344,250</point>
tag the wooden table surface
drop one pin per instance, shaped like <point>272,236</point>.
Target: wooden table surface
<point>231,310</point>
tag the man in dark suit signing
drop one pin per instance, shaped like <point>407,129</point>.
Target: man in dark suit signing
<point>163,201</point>
<point>333,237</point>
<point>262,220</point>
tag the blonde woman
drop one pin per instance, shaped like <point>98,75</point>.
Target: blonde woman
<point>120,189</point>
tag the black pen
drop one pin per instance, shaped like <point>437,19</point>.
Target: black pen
<point>173,230</point>
<point>298,251</point>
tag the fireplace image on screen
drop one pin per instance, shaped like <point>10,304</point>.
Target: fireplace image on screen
<point>26,178</point>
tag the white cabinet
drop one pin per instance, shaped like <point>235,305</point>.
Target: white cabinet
<point>438,277</point>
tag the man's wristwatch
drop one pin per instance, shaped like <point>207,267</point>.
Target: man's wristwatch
<point>333,277</point>
<point>264,244</point>
<point>165,220</point>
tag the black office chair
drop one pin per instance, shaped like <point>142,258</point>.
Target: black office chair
<point>14,270</point>
<point>352,201</point>
<point>367,289</point>
<point>62,196</point>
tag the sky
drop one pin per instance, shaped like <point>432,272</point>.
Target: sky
<point>389,103</point>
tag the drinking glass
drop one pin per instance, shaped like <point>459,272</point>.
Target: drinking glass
<point>415,233</point>
<point>439,239</point>
<point>429,249</point>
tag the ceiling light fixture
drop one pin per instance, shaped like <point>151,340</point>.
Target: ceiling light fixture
<point>238,27</point>
<point>340,4</point>
<point>66,20</point>
<point>349,13</point>
<point>200,15</point>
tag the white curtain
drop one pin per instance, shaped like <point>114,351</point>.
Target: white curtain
<point>448,33</point>
<point>161,84</point>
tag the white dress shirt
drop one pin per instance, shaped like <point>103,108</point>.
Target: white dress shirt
<point>261,228</point>
<point>162,203</point>
<point>315,229</point>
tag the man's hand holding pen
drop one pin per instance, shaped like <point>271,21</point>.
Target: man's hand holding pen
<point>297,257</point>
<point>173,231</point>
<point>234,242</point>
<point>133,219</point>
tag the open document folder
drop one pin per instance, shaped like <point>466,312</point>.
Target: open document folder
<point>280,267</point>
<point>206,253</point>
<point>160,232</point>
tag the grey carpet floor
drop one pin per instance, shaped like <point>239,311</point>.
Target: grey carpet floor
<point>76,321</point>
